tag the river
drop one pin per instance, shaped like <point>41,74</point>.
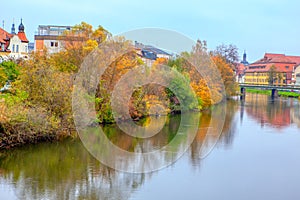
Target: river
<point>256,156</point>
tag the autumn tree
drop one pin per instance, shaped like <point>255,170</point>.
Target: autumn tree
<point>78,43</point>
<point>227,74</point>
<point>228,52</point>
<point>205,76</point>
<point>39,102</point>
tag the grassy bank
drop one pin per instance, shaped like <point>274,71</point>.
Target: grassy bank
<point>269,92</point>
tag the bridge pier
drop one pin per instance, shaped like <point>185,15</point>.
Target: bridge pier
<point>274,93</point>
<point>243,93</point>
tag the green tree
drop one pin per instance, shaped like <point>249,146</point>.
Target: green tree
<point>183,92</point>
<point>8,71</point>
<point>272,74</point>
<point>280,77</point>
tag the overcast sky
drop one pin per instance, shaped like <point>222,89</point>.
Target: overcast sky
<point>257,26</point>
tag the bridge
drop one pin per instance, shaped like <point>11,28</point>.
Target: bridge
<point>274,88</point>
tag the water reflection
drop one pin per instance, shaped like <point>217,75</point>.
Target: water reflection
<point>67,171</point>
<point>277,113</point>
<point>64,171</point>
<point>204,138</point>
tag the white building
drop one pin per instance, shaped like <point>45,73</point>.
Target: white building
<point>14,45</point>
<point>52,38</point>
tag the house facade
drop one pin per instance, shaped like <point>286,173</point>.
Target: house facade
<point>241,68</point>
<point>150,54</point>
<point>53,38</point>
<point>14,45</point>
<point>274,69</point>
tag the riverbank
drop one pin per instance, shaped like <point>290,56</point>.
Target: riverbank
<point>39,104</point>
<point>269,92</point>
<point>15,136</point>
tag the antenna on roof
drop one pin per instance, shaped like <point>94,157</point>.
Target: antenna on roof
<point>3,24</point>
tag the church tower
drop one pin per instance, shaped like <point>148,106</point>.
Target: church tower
<point>13,29</point>
<point>244,61</point>
<point>21,27</point>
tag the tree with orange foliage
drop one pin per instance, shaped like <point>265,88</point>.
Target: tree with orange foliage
<point>78,43</point>
<point>226,73</point>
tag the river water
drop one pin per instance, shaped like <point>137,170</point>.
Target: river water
<point>257,156</point>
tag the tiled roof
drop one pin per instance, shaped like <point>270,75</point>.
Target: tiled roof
<point>22,37</point>
<point>282,63</point>
<point>272,55</point>
<point>240,68</point>
<point>280,67</point>
<point>4,36</point>
<point>155,50</point>
<point>295,59</point>
<point>278,58</point>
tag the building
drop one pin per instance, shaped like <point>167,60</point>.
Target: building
<point>14,45</point>
<point>150,53</point>
<point>241,68</point>
<point>30,47</point>
<point>277,69</point>
<point>53,38</point>
<point>240,72</point>
<point>297,74</point>
<point>244,61</point>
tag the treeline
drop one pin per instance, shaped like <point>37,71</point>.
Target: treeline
<point>38,105</point>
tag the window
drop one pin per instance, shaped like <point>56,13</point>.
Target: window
<point>286,67</point>
<point>3,47</point>
<point>54,44</point>
<point>17,48</point>
<point>13,48</point>
<point>26,49</point>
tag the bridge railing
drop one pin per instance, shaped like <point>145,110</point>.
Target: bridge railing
<point>294,87</point>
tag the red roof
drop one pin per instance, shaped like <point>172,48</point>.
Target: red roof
<point>295,59</point>
<point>278,58</point>
<point>22,37</point>
<point>282,63</point>
<point>4,36</point>
<point>240,68</point>
<point>272,55</point>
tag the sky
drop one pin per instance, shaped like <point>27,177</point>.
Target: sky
<point>257,26</point>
